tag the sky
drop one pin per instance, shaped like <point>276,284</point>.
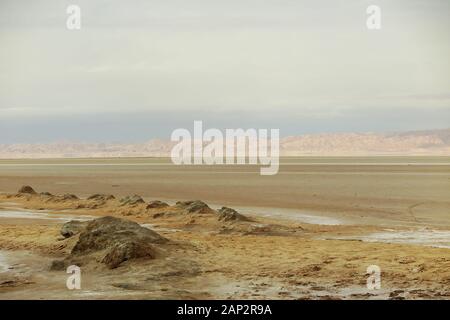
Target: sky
<point>139,69</point>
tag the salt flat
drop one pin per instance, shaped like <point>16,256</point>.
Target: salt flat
<point>367,189</point>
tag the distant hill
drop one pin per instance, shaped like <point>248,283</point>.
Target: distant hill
<point>429,142</point>
<point>154,147</point>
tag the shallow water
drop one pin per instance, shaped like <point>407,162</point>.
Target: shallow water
<point>290,214</point>
<point>43,215</point>
<point>424,237</point>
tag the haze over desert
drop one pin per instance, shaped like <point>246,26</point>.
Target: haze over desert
<point>425,142</point>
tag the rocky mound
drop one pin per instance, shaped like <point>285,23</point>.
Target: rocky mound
<point>156,204</point>
<point>27,190</point>
<point>121,252</point>
<point>116,240</point>
<point>103,232</point>
<point>131,200</point>
<point>69,197</point>
<point>101,197</point>
<point>195,206</point>
<point>63,198</point>
<point>72,227</point>
<point>229,214</point>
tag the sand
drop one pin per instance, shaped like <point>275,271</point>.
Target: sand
<point>376,189</point>
<point>315,260</point>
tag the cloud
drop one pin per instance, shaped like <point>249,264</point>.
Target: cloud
<point>292,59</point>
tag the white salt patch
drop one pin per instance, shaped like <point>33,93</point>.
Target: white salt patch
<point>3,264</point>
<point>153,227</point>
<point>290,214</point>
<point>9,203</point>
<point>424,237</point>
<point>41,215</point>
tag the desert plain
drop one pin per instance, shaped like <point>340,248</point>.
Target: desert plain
<point>309,232</point>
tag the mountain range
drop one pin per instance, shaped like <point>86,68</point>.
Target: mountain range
<point>427,142</point>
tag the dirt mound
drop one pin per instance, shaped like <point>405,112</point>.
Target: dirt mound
<point>64,197</point>
<point>111,239</point>
<point>229,214</point>
<point>69,196</point>
<point>121,252</point>
<point>131,200</point>
<point>105,232</point>
<point>72,227</point>
<point>27,190</point>
<point>60,198</point>
<point>101,197</point>
<point>195,206</point>
<point>272,230</point>
<point>156,204</point>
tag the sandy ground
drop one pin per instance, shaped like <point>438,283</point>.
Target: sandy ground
<point>210,259</point>
<point>371,189</point>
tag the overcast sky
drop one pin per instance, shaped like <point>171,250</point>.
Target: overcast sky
<point>139,69</point>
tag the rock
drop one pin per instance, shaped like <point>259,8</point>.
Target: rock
<point>156,204</point>
<point>101,197</point>
<point>121,252</point>
<point>158,215</point>
<point>396,294</point>
<point>121,239</point>
<point>195,206</point>
<point>128,213</point>
<point>105,232</point>
<point>96,205</point>
<point>46,194</point>
<point>131,200</point>
<point>127,286</point>
<point>228,214</point>
<point>72,227</point>
<point>27,189</point>
<point>69,196</point>
<point>58,265</point>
